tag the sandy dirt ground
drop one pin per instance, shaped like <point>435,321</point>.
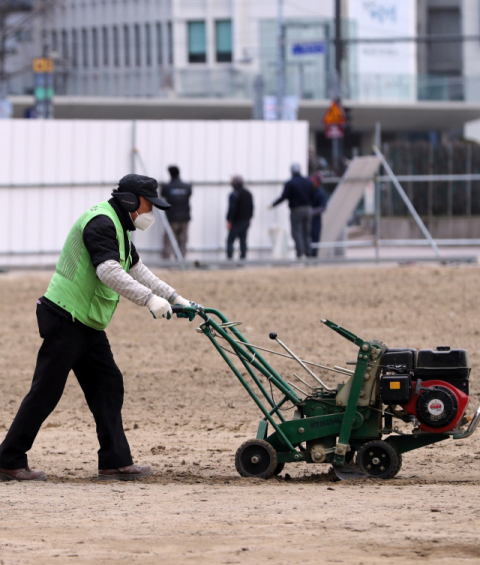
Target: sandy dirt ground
<point>185,414</point>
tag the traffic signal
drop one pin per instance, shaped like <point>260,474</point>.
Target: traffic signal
<point>348,115</point>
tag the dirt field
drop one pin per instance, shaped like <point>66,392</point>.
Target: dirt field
<point>185,414</point>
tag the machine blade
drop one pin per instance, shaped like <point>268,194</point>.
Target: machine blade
<point>347,472</point>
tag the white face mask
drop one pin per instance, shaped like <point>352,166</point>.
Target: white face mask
<point>144,221</point>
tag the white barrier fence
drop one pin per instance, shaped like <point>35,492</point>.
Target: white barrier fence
<point>51,171</point>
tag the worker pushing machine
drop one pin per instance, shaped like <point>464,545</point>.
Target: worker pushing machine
<point>97,264</point>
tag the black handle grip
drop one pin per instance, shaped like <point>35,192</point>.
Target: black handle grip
<point>177,309</point>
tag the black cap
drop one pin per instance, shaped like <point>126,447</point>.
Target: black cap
<point>143,186</point>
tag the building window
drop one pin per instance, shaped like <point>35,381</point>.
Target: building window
<point>148,46</point>
<point>105,46</point>
<point>159,43</point>
<point>116,47</point>
<point>74,47</point>
<point>95,47</point>
<point>64,45</point>
<point>126,45</point>
<point>138,46</point>
<point>170,42</point>
<point>84,48</point>
<point>223,41</point>
<point>197,44</point>
<point>54,41</point>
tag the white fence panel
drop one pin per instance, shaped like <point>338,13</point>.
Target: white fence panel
<point>52,171</point>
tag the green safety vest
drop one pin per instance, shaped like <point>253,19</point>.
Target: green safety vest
<point>75,286</point>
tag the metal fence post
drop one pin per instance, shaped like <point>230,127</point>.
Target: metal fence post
<point>407,202</point>
<point>469,181</point>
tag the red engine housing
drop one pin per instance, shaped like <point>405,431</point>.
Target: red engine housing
<point>462,401</point>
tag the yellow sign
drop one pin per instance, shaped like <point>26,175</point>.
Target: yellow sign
<point>395,385</point>
<point>42,65</point>
<point>335,116</point>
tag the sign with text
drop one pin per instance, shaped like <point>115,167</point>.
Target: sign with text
<point>386,70</point>
<point>300,49</point>
<point>43,88</point>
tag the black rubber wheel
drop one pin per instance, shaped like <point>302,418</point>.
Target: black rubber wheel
<point>279,468</point>
<point>256,458</point>
<point>379,459</point>
<point>400,460</point>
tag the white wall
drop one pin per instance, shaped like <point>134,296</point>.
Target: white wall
<point>471,49</point>
<point>42,161</point>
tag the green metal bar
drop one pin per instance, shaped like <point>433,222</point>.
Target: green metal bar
<point>284,385</point>
<point>257,401</point>
<point>263,390</point>
<point>277,408</point>
<point>357,381</point>
<point>272,376</point>
<point>410,442</point>
<point>262,429</point>
<point>261,387</point>
<point>262,360</point>
<point>343,332</point>
<point>314,428</point>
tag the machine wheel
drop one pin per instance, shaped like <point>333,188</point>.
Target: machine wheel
<point>399,466</point>
<point>256,458</point>
<point>379,459</point>
<point>400,460</point>
<point>279,468</point>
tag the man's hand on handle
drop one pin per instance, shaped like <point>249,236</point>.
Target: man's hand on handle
<point>184,302</point>
<point>159,307</point>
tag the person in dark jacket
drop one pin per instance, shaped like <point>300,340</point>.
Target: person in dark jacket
<point>240,212</point>
<point>97,265</point>
<point>177,193</point>
<point>319,206</point>
<point>299,192</point>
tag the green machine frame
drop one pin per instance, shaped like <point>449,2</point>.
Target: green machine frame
<point>341,428</point>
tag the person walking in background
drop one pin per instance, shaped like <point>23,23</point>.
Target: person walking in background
<point>318,207</point>
<point>299,192</point>
<point>240,212</point>
<point>177,193</point>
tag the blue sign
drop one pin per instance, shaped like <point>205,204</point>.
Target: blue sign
<point>309,48</point>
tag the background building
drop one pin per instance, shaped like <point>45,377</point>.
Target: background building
<point>217,59</point>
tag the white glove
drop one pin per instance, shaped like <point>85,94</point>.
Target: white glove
<point>182,301</point>
<point>159,307</point>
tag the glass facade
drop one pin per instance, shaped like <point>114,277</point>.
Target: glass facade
<point>116,47</point>
<point>148,46</point>
<point>138,46</point>
<point>197,42</point>
<point>223,41</point>
<point>105,46</point>
<point>158,39</point>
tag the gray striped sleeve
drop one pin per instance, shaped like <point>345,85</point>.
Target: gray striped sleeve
<point>112,274</point>
<point>145,276</point>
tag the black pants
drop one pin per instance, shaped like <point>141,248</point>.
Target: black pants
<point>70,346</point>
<point>301,223</point>
<point>239,229</point>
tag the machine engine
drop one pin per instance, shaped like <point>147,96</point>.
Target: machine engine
<point>431,386</point>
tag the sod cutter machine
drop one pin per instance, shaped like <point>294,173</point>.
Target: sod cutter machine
<point>352,423</point>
